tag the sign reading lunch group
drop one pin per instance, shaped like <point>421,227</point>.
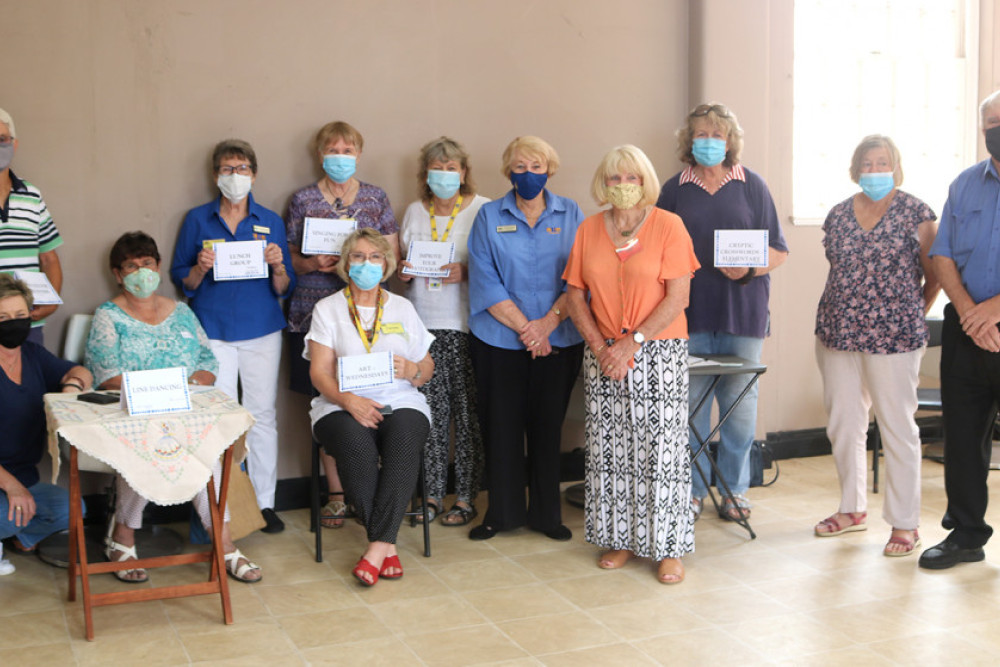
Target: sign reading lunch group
<point>156,392</point>
<point>41,288</point>
<point>741,247</point>
<point>323,236</point>
<point>364,371</point>
<point>427,258</point>
<point>239,260</point>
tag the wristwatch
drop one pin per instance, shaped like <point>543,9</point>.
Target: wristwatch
<point>638,337</point>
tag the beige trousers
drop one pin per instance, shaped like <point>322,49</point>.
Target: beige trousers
<point>853,382</point>
<point>129,504</point>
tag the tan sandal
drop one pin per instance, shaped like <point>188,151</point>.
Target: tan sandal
<point>614,559</point>
<point>333,513</point>
<point>670,571</point>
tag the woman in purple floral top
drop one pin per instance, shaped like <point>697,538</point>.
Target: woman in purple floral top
<point>340,195</point>
<point>871,335</point>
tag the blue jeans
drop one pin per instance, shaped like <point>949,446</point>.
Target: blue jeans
<point>51,515</point>
<point>737,433</point>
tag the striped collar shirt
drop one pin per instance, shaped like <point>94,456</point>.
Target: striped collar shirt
<point>26,227</point>
<point>735,173</point>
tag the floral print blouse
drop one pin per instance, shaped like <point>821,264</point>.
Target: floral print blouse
<point>873,301</point>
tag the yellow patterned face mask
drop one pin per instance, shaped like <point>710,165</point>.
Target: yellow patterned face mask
<point>624,195</point>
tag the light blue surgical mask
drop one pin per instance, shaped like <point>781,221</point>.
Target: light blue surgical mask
<point>444,184</point>
<point>708,151</point>
<point>340,168</point>
<point>366,275</point>
<point>876,186</point>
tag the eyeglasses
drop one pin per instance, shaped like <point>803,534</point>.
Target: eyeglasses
<point>705,109</point>
<point>241,169</point>
<point>359,257</point>
<point>6,139</point>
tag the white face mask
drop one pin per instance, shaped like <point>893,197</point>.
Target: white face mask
<point>234,187</point>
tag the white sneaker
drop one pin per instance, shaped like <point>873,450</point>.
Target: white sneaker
<point>6,567</point>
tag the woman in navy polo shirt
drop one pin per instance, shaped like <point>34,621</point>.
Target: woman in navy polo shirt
<point>525,352</point>
<point>242,318</point>
<point>728,311</point>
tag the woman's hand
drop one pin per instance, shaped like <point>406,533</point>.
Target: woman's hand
<point>615,358</point>
<point>456,272</point>
<point>21,508</point>
<point>535,335</point>
<point>403,264</point>
<point>364,410</point>
<point>734,272</point>
<point>273,256</point>
<point>206,260</point>
<point>404,368</point>
<point>327,263</point>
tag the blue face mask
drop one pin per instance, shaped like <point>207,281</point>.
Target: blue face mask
<point>708,151</point>
<point>528,184</point>
<point>366,275</point>
<point>878,185</point>
<point>340,168</point>
<point>444,184</point>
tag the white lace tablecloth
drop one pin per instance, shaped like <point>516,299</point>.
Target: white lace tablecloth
<point>165,458</point>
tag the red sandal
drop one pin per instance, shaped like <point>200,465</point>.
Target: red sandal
<point>858,521</point>
<point>391,561</point>
<point>364,567</point>
<point>911,545</point>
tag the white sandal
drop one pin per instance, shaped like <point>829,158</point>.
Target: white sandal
<point>239,573</point>
<point>127,553</point>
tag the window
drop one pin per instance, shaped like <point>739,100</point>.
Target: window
<point>906,69</point>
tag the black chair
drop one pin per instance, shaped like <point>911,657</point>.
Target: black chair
<point>928,400</point>
<point>318,492</point>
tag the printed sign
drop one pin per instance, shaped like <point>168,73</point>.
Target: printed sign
<point>741,247</point>
<point>240,260</point>
<point>427,258</point>
<point>323,236</point>
<point>156,392</point>
<point>364,371</point>
<point>41,288</point>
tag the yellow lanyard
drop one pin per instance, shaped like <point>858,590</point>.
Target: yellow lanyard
<point>369,341</point>
<point>451,221</point>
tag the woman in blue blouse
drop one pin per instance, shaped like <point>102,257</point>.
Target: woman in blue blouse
<point>139,330</point>
<point>728,311</point>
<point>243,318</point>
<point>525,352</point>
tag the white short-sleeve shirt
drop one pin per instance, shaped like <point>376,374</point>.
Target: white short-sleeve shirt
<point>333,327</point>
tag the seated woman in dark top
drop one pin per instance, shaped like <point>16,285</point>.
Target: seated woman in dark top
<point>30,510</point>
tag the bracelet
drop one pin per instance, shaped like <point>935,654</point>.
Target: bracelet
<point>72,384</point>
<point>598,350</point>
<point>751,272</point>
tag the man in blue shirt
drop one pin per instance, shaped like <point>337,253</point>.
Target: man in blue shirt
<point>966,256</point>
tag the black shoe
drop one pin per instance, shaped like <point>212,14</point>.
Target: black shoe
<point>560,533</point>
<point>483,532</point>
<point>274,523</point>
<point>948,554</point>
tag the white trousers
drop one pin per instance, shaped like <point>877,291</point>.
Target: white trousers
<point>853,382</point>
<point>129,504</point>
<point>254,365</point>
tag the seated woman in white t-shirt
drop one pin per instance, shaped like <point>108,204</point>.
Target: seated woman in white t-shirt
<point>385,425</point>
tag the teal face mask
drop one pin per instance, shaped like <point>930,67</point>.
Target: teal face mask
<point>340,168</point>
<point>877,186</point>
<point>142,282</point>
<point>708,151</point>
<point>366,275</point>
<point>444,184</point>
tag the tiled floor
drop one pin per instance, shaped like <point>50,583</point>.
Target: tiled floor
<point>521,599</point>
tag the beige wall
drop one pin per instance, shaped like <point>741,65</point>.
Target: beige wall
<point>118,103</point>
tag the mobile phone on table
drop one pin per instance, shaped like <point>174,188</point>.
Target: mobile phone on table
<point>101,399</point>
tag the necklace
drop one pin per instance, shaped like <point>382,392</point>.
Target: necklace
<point>625,233</point>
<point>338,202</point>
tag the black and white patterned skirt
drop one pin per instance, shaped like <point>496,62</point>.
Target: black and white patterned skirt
<point>638,462</point>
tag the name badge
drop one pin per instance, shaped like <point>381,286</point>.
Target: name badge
<point>553,230</point>
<point>393,328</point>
<point>156,392</point>
<point>502,229</point>
<point>260,229</point>
<point>209,244</point>
<point>365,371</point>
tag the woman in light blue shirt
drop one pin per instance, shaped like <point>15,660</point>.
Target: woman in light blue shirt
<point>525,352</point>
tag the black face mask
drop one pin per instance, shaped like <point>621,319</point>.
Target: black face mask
<point>14,332</point>
<point>993,141</point>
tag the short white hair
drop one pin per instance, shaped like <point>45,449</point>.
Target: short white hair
<point>9,122</point>
<point>990,102</point>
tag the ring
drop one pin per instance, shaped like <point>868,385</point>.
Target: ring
<point>17,509</point>
<point>534,342</point>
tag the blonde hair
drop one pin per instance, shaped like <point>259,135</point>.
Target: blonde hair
<point>622,160</point>
<point>444,149</point>
<point>377,240</point>
<point>337,130</point>
<point>11,286</point>
<point>877,141</point>
<point>720,118</point>
<point>532,147</point>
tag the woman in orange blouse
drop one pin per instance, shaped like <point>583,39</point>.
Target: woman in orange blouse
<point>635,262</point>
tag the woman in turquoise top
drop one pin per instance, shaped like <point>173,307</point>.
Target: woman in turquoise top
<point>139,330</point>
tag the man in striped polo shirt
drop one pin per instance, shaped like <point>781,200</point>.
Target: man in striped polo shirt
<point>28,237</point>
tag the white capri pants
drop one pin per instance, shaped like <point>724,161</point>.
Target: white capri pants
<point>853,382</point>
<point>254,363</point>
<point>129,504</point>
